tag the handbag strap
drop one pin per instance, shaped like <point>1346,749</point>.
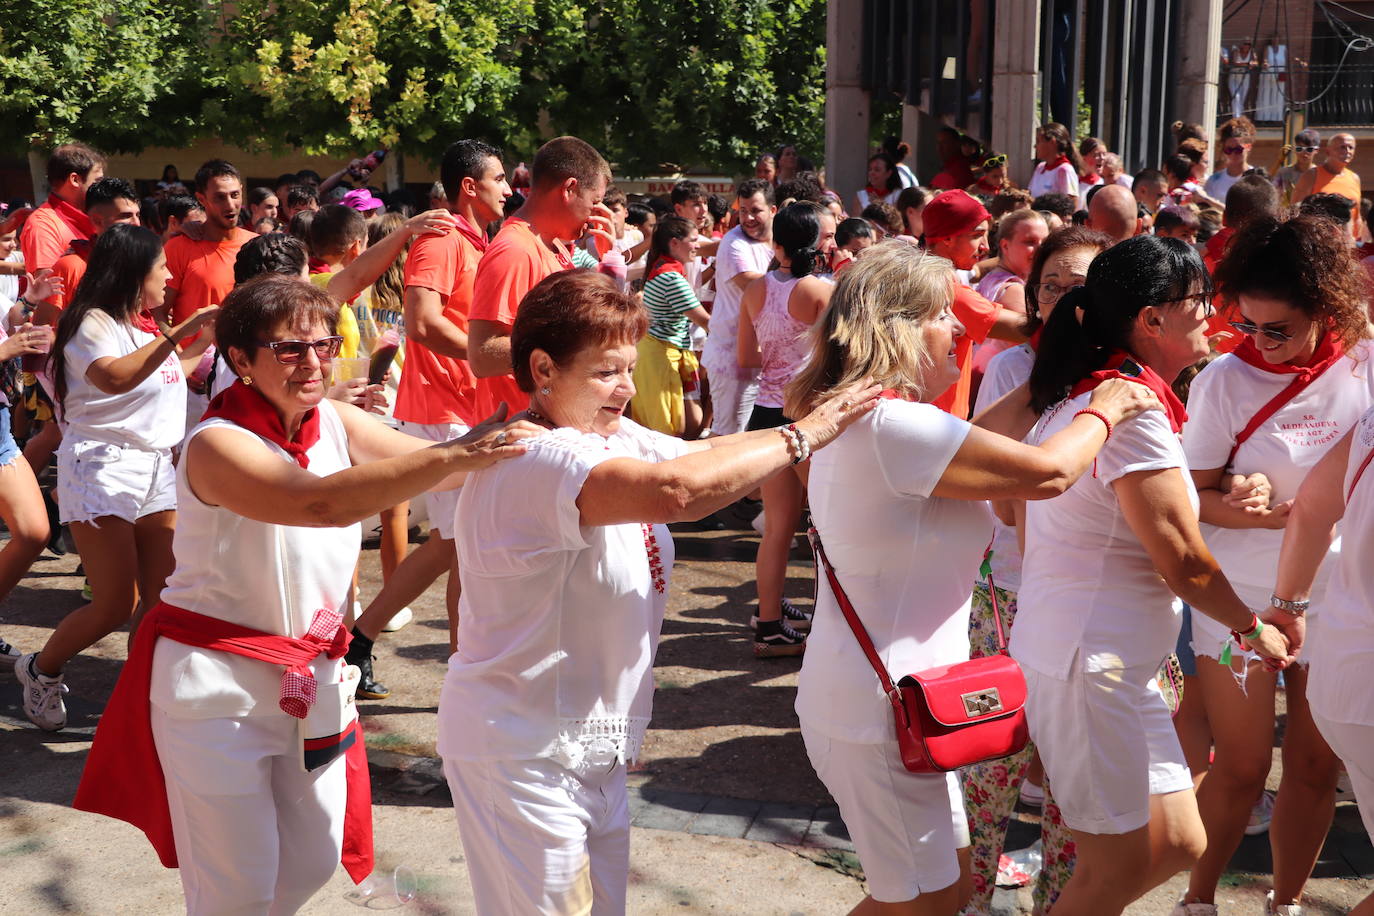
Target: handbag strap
<point>986,570</point>
<point>855,624</point>
<point>1355,481</point>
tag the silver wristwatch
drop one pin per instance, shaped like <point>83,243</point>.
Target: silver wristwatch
<point>1296,608</point>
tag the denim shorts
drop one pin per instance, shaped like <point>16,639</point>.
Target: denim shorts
<point>9,449</point>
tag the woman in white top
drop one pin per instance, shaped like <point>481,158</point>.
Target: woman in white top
<point>272,486</point>
<point>991,789</point>
<point>1059,166</point>
<point>1340,643</point>
<point>1019,234</point>
<point>121,397</point>
<point>777,312</point>
<point>1297,383</point>
<point>1237,139</point>
<point>566,560</point>
<point>884,182</point>
<point>898,502</point>
<point>1097,612</point>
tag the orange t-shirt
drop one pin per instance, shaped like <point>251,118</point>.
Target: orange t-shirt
<point>515,262</point>
<point>45,238</point>
<point>71,267</point>
<point>1347,184</point>
<point>977,314</point>
<point>202,271</point>
<point>436,388</point>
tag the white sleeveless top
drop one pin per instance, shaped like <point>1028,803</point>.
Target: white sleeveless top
<point>269,577</point>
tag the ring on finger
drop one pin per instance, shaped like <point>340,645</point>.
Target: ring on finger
<point>501,437</point>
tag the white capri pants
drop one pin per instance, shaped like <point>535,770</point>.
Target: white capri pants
<point>732,401</point>
<point>1108,739</point>
<point>440,505</point>
<point>540,838</point>
<point>905,826</point>
<point>254,834</point>
<point>1354,744</point>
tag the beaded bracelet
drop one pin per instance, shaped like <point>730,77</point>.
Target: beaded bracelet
<point>794,448</point>
<point>1094,412</point>
<point>801,438</point>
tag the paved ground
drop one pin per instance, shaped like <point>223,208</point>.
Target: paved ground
<point>728,816</point>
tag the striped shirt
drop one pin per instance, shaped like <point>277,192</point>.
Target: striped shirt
<point>667,297</point>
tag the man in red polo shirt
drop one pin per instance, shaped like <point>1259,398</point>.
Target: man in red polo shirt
<point>49,231</point>
<point>437,399</point>
<point>108,201</point>
<point>568,180</point>
<point>956,228</point>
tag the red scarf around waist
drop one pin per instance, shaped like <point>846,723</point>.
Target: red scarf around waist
<point>123,776</point>
<point>666,265</point>
<point>74,217</point>
<point>1328,352</point>
<point>1148,377</point>
<point>245,407</point>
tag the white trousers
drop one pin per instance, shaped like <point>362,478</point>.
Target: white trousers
<point>1354,744</point>
<point>254,834</point>
<point>732,401</point>
<point>540,838</point>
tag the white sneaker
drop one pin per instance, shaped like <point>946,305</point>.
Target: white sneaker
<point>1260,815</point>
<point>9,654</point>
<point>42,695</point>
<point>1287,909</point>
<point>1193,909</point>
<point>403,617</point>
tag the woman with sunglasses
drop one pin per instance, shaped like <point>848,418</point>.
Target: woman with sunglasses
<point>121,396</point>
<point>1306,143</point>
<point>1103,564</point>
<point>231,740</point>
<point>991,789</point>
<point>1237,139</point>
<point>992,179</point>
<point>1259,419</point>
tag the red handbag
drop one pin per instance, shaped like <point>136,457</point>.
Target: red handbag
<point>949,716</point>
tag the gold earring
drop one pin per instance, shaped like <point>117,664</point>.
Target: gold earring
<point>247,380</point>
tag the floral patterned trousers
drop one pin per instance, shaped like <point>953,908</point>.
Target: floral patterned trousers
<point>992,788</point>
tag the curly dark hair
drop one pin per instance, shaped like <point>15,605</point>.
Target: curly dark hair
<point>1305,261</point>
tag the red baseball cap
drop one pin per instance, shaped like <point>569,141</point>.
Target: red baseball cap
<point>951,213</point>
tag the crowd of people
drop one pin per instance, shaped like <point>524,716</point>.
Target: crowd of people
<point>1122,417</point>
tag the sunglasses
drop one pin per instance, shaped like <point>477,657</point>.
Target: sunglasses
<point>1228,150</point>
<point>292,352</point>
<point>1204,299</point>
<point>1053,292</point>
<point>997,161</point>
<point>1304,149</point>
<point>1246,327</point>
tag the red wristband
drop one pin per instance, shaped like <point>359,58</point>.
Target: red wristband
<point>1094,412</point>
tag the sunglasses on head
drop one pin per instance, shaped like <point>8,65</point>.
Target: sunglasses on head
<point>997,161</point>
<point>1248,328</point>
<point>291,352</point>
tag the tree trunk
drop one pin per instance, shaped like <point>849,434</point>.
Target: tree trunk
<point>393,171</point>
<point>38,172</point>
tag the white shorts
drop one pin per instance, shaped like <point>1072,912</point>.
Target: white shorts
<point>440,505</point>
<point>732,400</point>
<point>540,838</point>
<point>1108,739</point>
<point>905,826</point>
<point>97,479</point>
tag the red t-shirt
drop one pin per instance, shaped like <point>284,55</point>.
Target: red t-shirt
<point>202,271</point>
<point>977,315</point>
<point>436,388</point>
<point>514,263</point>
<point>47,235</point>
<point>71,267</point>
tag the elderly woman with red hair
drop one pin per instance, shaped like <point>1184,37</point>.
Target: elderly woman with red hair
<point>565,568</point>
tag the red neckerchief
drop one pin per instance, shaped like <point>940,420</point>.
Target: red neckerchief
<point>77,221</point>
<point>471,232</point>
<point>983,186</point>
<point>319,267</point>
<point>1056,163</point>
<point>1034,340</point>
<point>876,193</point>
<point>565,260</point>
<point>246,407</point>
<point>1147,377</point>
<point>144,322</point>
<point>1328,352</point>
<point>123,777</point>
<point>1216,245</point>
<point>1091,178</point>
<point>664,265</point>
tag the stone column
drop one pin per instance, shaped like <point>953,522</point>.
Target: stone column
<point>1015,81</point>
<point>1199,61</point>
<point>846,102</point>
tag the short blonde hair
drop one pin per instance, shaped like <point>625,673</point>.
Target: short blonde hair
<point>872,328</point>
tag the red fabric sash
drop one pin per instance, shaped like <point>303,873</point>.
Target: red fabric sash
<point>664,265</point>
<point>1148,377</point>
<point>1329,352</point>
<point>123,776</point>
<point>75,218</point>
<point>471,232</point>
<point>247,407</point>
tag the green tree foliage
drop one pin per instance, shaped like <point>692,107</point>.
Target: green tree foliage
<point>121,74</point>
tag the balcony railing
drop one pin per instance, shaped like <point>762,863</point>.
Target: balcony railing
<point>1348,101</point>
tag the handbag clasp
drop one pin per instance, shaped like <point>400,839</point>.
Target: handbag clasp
<point>981,702</point>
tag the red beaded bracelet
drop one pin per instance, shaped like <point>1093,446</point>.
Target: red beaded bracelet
<point>1094,412</point>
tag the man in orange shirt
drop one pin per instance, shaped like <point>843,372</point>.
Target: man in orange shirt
<point>959,233</point>
<point>203,268</point>
<point>108,201</point>
<point>568,180</point>
<point>49,231</point>
<point>437,399</point>
<point>1334,176</point>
